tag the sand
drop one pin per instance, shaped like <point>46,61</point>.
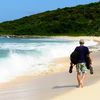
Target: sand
<point>56,84</point>
<point>90,93</point>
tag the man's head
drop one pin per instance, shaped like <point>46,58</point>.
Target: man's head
<point>81,42</point>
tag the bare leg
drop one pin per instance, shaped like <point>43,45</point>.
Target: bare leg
<point>82,79</point>
<point>79,79</point>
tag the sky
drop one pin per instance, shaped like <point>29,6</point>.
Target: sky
<point>15,9</point>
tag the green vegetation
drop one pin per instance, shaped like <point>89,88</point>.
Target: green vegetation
<point>79,20</point>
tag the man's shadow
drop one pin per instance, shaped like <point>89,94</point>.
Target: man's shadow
<point>64,86</point>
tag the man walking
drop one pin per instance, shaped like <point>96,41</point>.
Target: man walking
<point>81,68</point>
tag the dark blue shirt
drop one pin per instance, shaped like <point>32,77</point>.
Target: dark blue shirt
<point>82,52</point>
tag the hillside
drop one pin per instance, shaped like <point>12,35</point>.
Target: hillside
<point>79,20</point>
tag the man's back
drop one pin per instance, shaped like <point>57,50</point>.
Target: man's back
<point>83,51</point>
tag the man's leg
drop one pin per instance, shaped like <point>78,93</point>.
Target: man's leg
<point>82,78</point>
<point>79,79</point>
<point>84,71</point>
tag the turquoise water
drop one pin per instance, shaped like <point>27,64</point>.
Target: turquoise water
<point>21,55</point>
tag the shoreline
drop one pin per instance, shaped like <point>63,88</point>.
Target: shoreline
<point>53,66</point>
<point>57,86</point>
<point>63,64</point>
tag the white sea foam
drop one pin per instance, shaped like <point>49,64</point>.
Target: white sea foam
<point>28,56</point>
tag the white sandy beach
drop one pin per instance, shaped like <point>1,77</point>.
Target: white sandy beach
<point>56,84</point>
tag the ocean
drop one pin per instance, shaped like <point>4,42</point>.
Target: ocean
<point>21,55</point>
